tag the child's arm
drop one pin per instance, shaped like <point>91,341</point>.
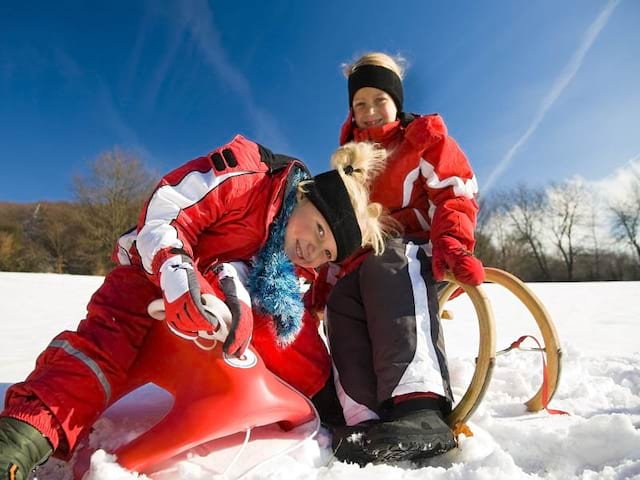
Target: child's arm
<point>451,187</point>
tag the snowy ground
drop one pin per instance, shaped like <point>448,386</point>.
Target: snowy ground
<point>598,324</point>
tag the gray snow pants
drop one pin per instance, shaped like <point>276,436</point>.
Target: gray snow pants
<point>384,332</point>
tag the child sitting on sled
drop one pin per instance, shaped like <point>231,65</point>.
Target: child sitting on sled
<point>384,332</point>
<point>239,203</point>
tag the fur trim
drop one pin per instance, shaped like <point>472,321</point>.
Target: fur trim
<point>273,283</point>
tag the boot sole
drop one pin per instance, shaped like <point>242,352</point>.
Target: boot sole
<point>388,451</point>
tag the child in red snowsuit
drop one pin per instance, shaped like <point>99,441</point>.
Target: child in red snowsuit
<point>239,203</point>
<point>383,310</point>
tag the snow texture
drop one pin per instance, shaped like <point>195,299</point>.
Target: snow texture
<point>599,327</point>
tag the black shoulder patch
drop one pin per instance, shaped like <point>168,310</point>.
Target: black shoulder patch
<point>221,162</point>
<point>218,162</point>
<point>229,157</point>
<point>275,161</point>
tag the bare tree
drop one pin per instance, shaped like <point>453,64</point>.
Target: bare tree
<point>566,205</point>
<point>33,257</point>
<point>111,196</point>
<point>7,251</point>
<point>525,207</point>
<point>484,249</point>
<point>499,245</point>
<point>626,216</point>
<point>593,224</point>
<point>61,231</point>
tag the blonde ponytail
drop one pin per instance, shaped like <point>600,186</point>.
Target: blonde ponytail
<point>358,163</point>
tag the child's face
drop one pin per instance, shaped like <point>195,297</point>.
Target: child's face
<point>308,240</point>
<point>373,107</point>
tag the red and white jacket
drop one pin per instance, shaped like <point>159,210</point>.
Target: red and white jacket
<point>218,208</point>
<point>427,185</point>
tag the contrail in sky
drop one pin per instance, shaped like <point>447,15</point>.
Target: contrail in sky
<point>565,77</point>
<point>197,16</point>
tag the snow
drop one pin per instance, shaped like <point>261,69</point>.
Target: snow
<point>598,325</point>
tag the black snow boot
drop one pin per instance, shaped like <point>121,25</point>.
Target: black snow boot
<point>348,443</point>
<point>409,435</point>
<point>22,449</point>
<point>328,406</point>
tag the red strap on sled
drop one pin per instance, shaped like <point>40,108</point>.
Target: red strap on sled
<point>545,382</point>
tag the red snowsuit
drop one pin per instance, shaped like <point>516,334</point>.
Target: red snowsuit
<point>221,209</point>
<point>427,185</point>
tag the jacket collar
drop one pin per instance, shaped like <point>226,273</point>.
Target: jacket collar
<point>384,135</point>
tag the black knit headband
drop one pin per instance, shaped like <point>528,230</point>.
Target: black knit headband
<point>329,194</point>
<point>377,77</point>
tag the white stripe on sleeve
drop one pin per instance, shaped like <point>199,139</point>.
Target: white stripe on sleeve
<point>166,204</point>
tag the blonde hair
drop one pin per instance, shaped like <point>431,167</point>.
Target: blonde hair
<point>396,63</point>
<point>365,160</point>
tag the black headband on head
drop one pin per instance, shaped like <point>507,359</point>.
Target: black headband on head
<point>330,196</point>
<point>377,77</point>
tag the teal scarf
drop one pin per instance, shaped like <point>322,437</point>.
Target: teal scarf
<point>273,283</point>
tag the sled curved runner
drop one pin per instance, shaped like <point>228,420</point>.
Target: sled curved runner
<point>486,350</point>
<point>213,398</point>
<point>482,374</point>
<point>551,341</point>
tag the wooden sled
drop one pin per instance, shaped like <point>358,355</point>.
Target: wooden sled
<point>487,339</point>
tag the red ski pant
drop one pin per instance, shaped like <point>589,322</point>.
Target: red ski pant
<point>82,373</point>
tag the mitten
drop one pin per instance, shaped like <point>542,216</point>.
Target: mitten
<point>239,303</point>
<point>449,254</point>
<point>183,288</point>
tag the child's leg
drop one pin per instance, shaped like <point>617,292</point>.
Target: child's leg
<point>81,373</point>
<point>351,353</point>
<point>399,296</point>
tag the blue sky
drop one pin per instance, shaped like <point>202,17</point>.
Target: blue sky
<point>533,91</point>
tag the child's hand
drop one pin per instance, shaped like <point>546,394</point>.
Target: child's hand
<point>239,303</point>
<point>450,255</point>
<point>183,288</point>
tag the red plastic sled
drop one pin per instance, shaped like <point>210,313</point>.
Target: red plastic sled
<point>215,396</point>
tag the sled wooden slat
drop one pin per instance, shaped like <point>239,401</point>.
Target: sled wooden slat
<point>486,350</point>
<point>486,357</point>
<point>541,316</point>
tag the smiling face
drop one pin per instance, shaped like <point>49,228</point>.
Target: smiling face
<point>308,240</point>
<point>373,107</point>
